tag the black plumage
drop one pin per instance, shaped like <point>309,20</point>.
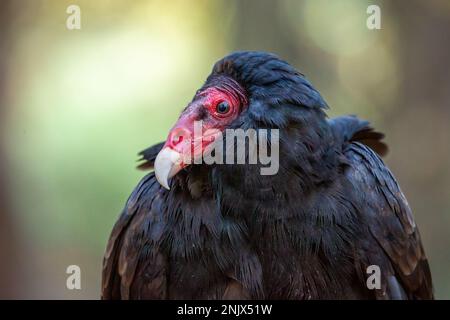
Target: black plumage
<point>308,232</point>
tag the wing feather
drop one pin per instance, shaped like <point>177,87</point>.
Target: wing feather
<point>390,224</point>
<point>133,265</point>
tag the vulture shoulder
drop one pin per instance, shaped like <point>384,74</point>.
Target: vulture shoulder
<point>392,240</point>
<point>347,129</point>
<point>133,265</point>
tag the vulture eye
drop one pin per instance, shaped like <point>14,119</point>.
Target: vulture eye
<point>223,107</point>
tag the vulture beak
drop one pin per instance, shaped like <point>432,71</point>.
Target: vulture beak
<point>175,155</point>
<point>167,164</point>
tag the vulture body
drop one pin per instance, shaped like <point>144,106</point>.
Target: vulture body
<point>308,232</point>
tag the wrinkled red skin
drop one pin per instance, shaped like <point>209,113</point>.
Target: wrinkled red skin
<point>190,142</point>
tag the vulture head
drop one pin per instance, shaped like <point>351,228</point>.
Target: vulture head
<point>251,90</point>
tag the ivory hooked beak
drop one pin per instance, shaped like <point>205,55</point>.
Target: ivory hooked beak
<point>168,163</point>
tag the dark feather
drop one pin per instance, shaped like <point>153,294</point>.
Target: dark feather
<point>390,222</point>
<point>350,128</point>
<point>148,156</point>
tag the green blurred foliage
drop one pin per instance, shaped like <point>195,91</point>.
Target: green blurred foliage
<point>84,102</point>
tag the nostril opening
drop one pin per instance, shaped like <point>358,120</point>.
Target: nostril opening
<point>177,138</point>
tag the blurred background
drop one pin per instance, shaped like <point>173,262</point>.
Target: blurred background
<point>77,105</point>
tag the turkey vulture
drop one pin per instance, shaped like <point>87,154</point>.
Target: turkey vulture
<point>225,231</point>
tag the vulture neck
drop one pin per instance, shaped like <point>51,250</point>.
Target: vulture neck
<point>308,161</point>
